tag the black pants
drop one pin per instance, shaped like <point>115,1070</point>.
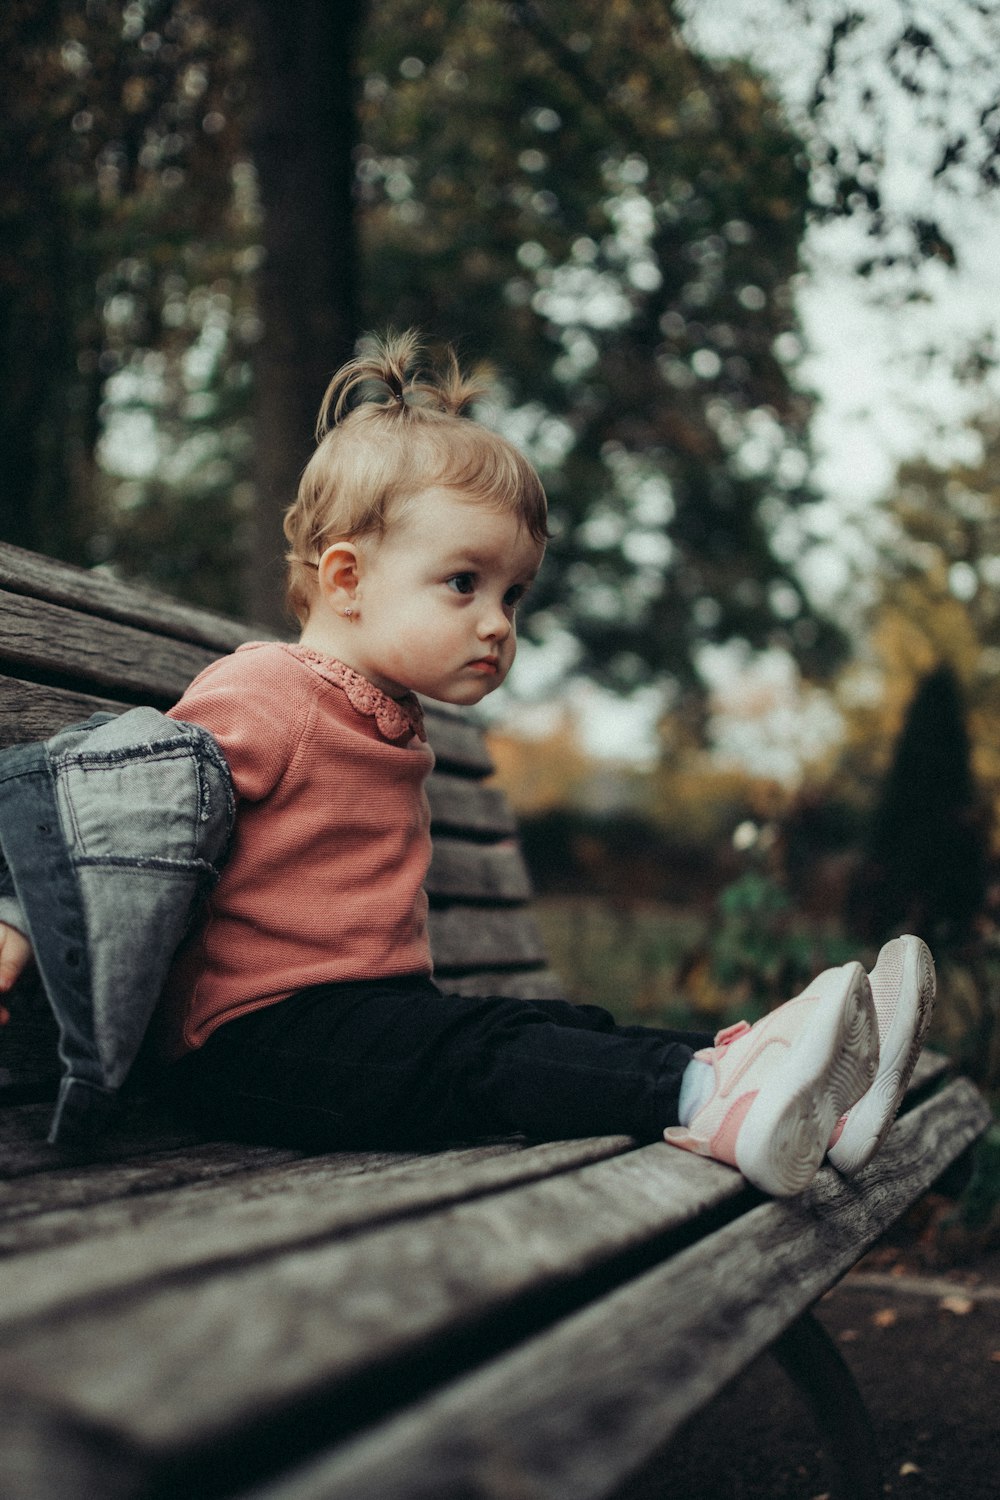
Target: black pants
<point>397,1064</point>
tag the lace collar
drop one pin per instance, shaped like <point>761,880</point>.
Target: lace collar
<point>395,718</point>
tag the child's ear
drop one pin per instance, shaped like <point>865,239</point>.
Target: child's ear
<point>337,573</point>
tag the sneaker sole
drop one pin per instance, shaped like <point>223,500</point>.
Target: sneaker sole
<point>870,1121</point>
<point>832,1063</point>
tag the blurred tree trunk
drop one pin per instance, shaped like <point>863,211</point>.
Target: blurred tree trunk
<point>46,435</point>
<point>302,141</point>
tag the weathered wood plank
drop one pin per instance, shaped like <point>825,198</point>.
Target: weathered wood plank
<point>31,711</point>
<point>169,1368</point>
<point>457,741</point>
<point>478,872</point>
<point>464,806</point>
<point>34,1210</point>
<point>931,1066</point>
<point>101,654</point>
<point>577,1410</point>
<point>326,1313</point>
<point>137,1158</point>
<point>78,1255</point>
<point>98,594</point>
<point>476,937</point>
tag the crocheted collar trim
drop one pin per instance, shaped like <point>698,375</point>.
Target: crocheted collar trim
<point>395,718</point>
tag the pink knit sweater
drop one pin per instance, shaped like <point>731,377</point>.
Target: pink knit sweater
<point>324,881</point>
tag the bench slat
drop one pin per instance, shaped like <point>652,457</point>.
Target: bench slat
<point>48,639</point>
<point>145,1149</point>
<point>320,1317</point>
<point>457,742</point>
<point>78,1255</point>
<point>98,594</point>
<point>475,937</point>
<point>577,1410</point>
<point>464,806</point>
<point>32,711</point>
<point>478,872</point>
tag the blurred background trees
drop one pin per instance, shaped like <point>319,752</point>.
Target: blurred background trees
<point>202,206</point>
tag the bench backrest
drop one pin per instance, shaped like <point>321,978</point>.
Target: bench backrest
<point>73,642</point>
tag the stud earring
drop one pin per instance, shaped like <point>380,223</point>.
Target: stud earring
<point>348,613</point>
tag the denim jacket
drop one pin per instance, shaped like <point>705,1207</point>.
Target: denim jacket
<point>109,834</point>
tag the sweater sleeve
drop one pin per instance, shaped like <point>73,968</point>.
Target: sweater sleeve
<point>248,704</point>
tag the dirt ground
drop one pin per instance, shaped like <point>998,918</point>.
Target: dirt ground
<point>922,1339</point>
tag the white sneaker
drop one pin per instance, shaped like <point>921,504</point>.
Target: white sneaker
<point>903,986</point>
<point>781,1085</point>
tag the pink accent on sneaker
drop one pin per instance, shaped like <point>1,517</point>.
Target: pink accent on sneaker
<point>728,1034</point>
<point>780,1085</point>
<point>903,985</point>
<point>723,1143</point>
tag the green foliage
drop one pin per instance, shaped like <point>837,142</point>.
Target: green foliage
<point>624,958</point>
<point>123,194</point>
<point>566,187</point>
<point>761,950</point>
<point>570,192</point>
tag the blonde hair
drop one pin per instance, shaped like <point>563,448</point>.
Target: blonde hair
<point>387,431</point>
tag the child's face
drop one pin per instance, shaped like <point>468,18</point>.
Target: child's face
<point>436,598</point>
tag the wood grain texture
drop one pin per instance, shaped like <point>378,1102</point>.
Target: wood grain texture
<point>188,1360</point>
<point>475,937</point>
<point>478,872</point>
<point>463,806</point>
<point>100,595</point>
<point>36,1178</point>
<point>567,1415</point>
<point>457,740</point>
<point>575,1411</point>
<point>98,655</point>
<point>32,711</point>
<point>80,1254</point>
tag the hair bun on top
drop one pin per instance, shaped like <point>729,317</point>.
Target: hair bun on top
<point>387,374</point>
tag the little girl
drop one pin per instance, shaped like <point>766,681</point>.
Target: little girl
<point>302,1009</point>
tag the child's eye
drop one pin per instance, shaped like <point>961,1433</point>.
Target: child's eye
<point>514,595</point>
<point>462,583</point>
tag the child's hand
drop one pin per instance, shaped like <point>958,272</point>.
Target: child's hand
<point>15,955</point>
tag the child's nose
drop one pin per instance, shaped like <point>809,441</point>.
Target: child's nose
<point>495,624</point>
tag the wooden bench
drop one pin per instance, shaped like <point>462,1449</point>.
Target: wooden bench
<point>522,1321</point>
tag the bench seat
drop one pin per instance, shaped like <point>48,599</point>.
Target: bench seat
<point>511,1320</point>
